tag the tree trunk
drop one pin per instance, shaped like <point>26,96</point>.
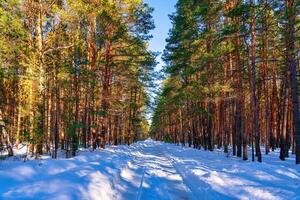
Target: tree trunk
<point>6,139</point>
<point>253,86</point>
<point>292,66</point>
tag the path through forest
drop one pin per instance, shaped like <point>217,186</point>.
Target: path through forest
<point>157,176</point>
<point>149,170</point>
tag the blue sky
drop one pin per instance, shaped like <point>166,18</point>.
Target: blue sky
<point>162,9</point>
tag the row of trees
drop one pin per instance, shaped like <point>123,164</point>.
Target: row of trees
<point>73,73</point>
<point>231,77</point>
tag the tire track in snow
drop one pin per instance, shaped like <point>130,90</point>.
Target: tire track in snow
<point>117,180</point>
<point>141,185</point>
<point>169,186</point>
<point>143,161</point>
<point>151,168</point>
<point>134,166</point>
<point>184,180</point>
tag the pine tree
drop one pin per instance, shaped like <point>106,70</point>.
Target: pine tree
<point>234,84</point>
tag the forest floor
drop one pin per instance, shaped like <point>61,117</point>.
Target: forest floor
<point>150,170</point>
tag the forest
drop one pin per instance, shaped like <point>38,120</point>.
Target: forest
<point>149,99</point>
<point>74,73</point>
<point>231,78</point>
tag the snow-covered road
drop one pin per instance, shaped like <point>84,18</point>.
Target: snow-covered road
<point>159,178</point>
<point>150,170</point>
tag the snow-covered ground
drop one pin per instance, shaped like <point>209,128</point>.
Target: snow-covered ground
<point>150,170</point>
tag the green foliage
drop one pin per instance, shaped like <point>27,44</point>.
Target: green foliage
<point>167,139</point>
<point>197,39</point>
<point>12,31</point>
<point>53,73</point>
<point>71,129</point>
<point>26,136</point>
<point>101,113</point>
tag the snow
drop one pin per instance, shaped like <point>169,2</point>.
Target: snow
<point>150,170</point>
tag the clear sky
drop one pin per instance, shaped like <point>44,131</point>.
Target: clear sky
<point>162,9</point>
